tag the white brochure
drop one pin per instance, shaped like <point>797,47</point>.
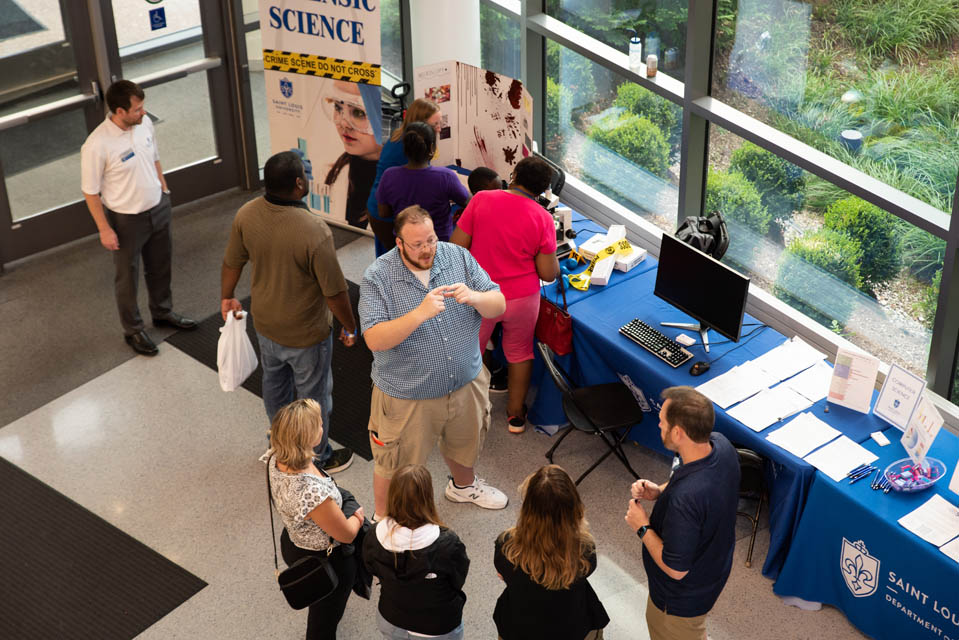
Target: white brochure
<point>936,521</point>
<point>803,434</point>
<point>839,457</point>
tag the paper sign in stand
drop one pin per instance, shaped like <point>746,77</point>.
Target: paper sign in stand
<point>853,380</point>
<point>899,397</point>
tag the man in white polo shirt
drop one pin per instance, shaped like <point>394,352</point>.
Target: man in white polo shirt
<point>128,198</point>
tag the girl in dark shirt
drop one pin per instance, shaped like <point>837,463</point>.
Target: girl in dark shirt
<point>421,564</point>
<point>544,561</point>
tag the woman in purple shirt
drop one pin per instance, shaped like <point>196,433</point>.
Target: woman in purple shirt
<point>417,182</point>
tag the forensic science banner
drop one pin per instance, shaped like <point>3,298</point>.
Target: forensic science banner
<point>321,62</point>
<point>487,117</point>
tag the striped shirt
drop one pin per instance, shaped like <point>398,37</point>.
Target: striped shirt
<point>443,353</point>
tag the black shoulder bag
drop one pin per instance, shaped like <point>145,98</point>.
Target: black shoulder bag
<point>309,579</point>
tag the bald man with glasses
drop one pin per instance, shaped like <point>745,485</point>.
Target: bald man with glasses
<point>420,310</point>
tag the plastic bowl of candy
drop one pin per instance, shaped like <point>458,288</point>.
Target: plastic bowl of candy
<point>906,476</point>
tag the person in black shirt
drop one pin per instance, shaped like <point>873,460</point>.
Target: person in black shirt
<point>421,564</point>
<point>544,561</point>
<point>689,538</point>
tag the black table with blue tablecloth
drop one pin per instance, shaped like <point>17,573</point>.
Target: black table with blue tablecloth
<point>601,354</point>
<point>850,551</point>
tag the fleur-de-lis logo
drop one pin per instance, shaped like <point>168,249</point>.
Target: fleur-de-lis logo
<point>859,569</point>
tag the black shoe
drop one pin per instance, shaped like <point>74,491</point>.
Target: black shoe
<point>499,380</point>
<point>142,343</point>
<point>175,320</point>
<point>339,460</point>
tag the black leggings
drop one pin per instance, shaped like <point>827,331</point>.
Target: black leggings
<point>325,614</point>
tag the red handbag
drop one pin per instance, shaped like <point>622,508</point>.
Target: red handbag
<point>554,327</point>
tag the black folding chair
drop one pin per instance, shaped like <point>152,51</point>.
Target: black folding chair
<point>604,410</point>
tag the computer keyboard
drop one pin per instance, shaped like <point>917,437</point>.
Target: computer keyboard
<point>669,351</point>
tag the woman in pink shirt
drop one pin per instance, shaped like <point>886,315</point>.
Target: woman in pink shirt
<point>513,238</point>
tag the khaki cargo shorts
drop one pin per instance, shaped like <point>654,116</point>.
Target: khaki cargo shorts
<point>405,431</point>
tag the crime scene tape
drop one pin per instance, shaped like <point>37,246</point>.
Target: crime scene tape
<point>581,280</point>
<point>321,66</point>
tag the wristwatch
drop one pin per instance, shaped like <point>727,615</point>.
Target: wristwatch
<point>642,531</point>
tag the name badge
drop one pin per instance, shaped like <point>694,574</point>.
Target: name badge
<point>126,155</point>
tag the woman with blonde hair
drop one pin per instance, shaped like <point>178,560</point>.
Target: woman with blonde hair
<point>393,155</point>
<point>544,561</point>
<point>421,564</point>
<point>310,504</point>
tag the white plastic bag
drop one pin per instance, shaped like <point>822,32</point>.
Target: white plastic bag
<point>235,357</point>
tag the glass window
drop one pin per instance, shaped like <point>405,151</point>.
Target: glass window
<point>845,263</point>
<point>500,42</point>
<point>660,25</point>
<point>620,138</point>
<point>874,84</point>
<point>391,37</point>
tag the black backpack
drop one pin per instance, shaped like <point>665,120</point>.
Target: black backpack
<point>706,233</point>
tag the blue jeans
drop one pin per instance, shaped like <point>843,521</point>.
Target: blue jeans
<point>391,632</point>
<point>290,373</point>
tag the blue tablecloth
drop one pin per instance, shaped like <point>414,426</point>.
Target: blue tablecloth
<point>850,552</point>
<point>601,354</point>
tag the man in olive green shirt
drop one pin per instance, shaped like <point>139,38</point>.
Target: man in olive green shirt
<point>296,284</point>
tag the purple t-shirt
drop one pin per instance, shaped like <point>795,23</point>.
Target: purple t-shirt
<point>431,187</point>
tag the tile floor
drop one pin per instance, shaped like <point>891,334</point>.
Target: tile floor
<point>156,448</point>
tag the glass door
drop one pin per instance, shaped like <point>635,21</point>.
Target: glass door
<point>56,59</point>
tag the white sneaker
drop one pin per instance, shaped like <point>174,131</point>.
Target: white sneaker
<point>479,493</point>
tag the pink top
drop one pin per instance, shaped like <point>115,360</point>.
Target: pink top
<point>507,231</point>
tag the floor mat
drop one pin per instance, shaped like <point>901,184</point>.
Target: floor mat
<point>14,21</point>
<point>67,573</point>
<point>351,375</point>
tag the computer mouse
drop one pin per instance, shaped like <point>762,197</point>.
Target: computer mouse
<point>699,368</point>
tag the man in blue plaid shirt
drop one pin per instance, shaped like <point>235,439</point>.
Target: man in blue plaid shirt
<point>420,310</point>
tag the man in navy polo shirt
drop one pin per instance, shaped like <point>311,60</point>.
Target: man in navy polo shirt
<point>689,537</point>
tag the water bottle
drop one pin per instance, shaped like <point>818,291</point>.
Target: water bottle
<point>635,51</point>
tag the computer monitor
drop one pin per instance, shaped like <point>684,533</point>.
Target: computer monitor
<point>701,287</point>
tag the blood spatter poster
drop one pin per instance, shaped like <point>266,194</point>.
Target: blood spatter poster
<point>487,117</point>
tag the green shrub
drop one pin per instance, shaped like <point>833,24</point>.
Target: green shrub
<point>644,102</point>
<point>926,306</point>
<point>635,139</point>
<point>922,252</point>
<point>779,182</point>
<point>905,29</point>
<point>874,230</point>
<point>812,272</point>
<point>737,199</point>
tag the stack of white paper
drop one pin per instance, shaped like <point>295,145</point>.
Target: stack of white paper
<point>839,457</point>
<point>803,434</point>
<point>769,406</point>
<point>788,359</point>
<point>735,385</point>
<point>812,383</point>
<point>936,521</point>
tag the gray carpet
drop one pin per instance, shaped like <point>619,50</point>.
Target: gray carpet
<point>67,573</point>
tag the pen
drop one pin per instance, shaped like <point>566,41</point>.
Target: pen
<point>878,479</point>
<point>856,470</point>
<point>862,474</point>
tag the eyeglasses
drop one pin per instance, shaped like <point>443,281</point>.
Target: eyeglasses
<point>421,245</point>
<point>353,115</point>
